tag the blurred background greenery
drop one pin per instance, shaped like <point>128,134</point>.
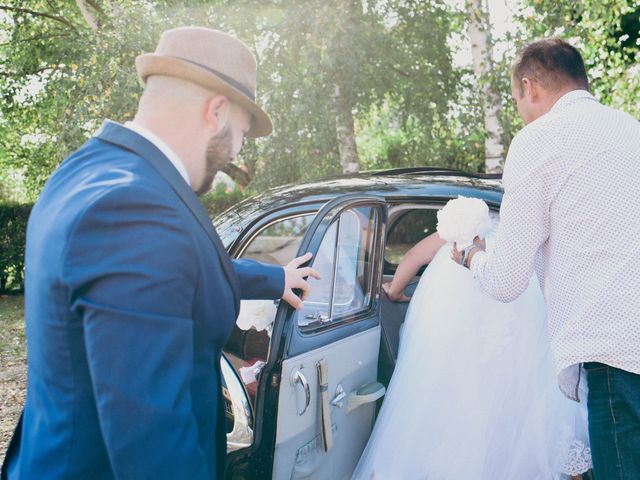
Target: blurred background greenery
<point>350,84</point>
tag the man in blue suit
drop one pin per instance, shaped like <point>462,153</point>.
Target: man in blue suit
<point>130,294</point>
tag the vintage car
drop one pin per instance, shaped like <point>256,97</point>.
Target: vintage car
<point>301,387</point>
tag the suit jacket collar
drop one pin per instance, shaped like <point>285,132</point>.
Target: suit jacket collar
<point>123,137</point>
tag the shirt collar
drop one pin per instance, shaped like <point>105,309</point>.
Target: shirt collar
<point>162,146</point>
<point>571,98</point>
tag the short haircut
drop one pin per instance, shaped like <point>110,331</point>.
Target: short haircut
<point>553,63</point>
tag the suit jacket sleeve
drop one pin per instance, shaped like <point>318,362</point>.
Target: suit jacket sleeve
<point>259,281</point>
<point>131,274</point>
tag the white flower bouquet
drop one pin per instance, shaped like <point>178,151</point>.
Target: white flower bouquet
<point>462,219</point>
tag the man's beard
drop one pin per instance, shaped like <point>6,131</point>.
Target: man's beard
<point>218,154</point>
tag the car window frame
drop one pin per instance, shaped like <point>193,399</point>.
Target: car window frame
<point>236,247</point>
<point>250,237</point>
<point>369,295</point>
<point>397,210</point>
<point>295,342</point>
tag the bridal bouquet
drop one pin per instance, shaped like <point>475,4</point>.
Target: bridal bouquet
<point>462,219</point>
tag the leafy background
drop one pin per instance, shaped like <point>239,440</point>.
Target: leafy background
<point>392,61</point>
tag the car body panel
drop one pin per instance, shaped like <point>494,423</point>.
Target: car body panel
<point>280,437</point>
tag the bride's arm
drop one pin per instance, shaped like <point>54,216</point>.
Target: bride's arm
<point>419,255</point>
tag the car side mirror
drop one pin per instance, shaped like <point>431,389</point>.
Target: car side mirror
<point>237,409</point>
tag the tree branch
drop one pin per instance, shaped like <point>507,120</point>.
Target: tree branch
<point>97,8</point>
<point>400,71</point>
<point>39,14</point>
<point>87,15</point>
<point>31,39</point>
<point>24,74</point>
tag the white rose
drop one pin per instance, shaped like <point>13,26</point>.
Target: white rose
<point>462,219</point>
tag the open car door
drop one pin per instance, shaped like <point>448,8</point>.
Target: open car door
<point>328,379</point>
<point>310,412</point>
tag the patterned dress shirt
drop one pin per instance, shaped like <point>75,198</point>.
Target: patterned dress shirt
<point>571,213</point>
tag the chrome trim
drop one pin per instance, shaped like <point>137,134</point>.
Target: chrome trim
<point>338,399</point>
<point>298,377</point>
<point>242,434</point>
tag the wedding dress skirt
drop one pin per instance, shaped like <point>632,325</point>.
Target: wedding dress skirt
<point>474,394</point>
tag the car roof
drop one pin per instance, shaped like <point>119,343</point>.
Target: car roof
<point>408,184</point>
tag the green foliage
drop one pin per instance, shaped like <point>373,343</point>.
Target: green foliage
<point>456,142</point>
<point>391,61</point>
<point>374,51</point>
<point>220,198</point>
<point>61,79</point>
<point>13,229</point>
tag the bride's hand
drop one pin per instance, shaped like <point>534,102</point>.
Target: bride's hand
<point>394,297</point>
<point>481,242</point>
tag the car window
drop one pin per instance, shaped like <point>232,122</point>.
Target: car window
<point>278,243</point>
<point>407,230</point>
<point>248,346</point>
<point>344,260</point>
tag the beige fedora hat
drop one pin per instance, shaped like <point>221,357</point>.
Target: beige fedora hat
<point>212,59</point>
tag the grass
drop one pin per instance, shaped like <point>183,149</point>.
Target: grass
<point>13,366</point>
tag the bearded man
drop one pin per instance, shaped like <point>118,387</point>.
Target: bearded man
<point>130,294</point>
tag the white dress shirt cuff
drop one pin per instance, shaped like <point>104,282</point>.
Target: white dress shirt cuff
<point>477,262</point>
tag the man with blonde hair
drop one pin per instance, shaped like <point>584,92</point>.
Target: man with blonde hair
<point>130,294</point>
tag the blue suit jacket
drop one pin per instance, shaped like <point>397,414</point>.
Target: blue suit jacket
<point>130,297</point>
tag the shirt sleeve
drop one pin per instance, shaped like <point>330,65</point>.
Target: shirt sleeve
<point>504,274</point>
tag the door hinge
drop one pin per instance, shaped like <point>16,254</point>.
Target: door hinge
<point>275,380</point>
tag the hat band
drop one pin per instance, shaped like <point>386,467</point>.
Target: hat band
<point>235,84</point>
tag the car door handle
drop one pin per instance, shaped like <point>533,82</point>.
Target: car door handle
<point>297,377</point>
<point>366,394</point>
<point>338,400</point>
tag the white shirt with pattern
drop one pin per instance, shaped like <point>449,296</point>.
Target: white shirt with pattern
<point>571,212</point>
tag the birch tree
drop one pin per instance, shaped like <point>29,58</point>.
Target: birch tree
<point>481,52</point>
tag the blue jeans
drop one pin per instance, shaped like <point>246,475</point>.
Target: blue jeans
<point>614,422</point>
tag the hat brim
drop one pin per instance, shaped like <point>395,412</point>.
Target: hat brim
<point>152,64</point>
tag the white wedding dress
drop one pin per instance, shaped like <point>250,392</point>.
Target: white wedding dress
<point>474,394</point>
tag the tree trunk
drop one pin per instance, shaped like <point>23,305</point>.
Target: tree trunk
<point>346,134</point>
<point>341,44</point>
<point>481,51</point>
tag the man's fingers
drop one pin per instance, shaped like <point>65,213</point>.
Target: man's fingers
<point>295,279</point>
<point>304,286</point>
<point>292,299</point>
<point>309,272</point>
<point>296,262</point>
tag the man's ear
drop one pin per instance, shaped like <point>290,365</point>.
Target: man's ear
<point>530,89</point>
<point>216,112</point>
